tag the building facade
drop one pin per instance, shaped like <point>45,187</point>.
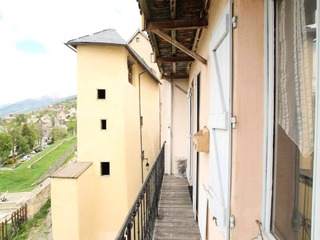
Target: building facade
<point>252,76</point>
<point>118,134</point>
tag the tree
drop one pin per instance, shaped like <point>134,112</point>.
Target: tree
<point>23,146</point>
<point>5,146</point>
<point>72,126</point>
<point>58,133</point>
<point>15,132</point>
<point>21,118</point>
<point>28,133</point>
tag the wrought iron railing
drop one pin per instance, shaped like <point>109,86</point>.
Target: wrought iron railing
<point>139,223</point>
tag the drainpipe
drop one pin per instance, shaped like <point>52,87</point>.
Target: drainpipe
<point>140,121</point>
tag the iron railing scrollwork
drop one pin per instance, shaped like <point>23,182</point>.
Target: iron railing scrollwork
<point>140,221</point>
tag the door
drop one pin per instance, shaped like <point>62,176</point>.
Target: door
<point>220,121</point>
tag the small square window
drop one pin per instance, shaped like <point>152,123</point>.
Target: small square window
<point>101,94</point>
<point>105,168</point>
<point>103,124</point>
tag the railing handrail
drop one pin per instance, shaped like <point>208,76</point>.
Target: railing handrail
<point>137,203</point>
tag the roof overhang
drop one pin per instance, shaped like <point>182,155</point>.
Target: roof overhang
<point>174,28</point>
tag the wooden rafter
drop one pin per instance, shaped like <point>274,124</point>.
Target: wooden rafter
<point>173,15</point>
<point>180,46</point>
<point>145,9</point>
<point>177,24</point>
<point>174,59</point>
<point>175,76</point>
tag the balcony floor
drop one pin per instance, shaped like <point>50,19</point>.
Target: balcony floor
<point>175,211</point>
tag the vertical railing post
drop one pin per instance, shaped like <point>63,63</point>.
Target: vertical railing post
<point>2,231</point>
<point>5,229</point>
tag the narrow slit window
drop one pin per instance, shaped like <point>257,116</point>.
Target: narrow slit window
<point>130,64</point>
<point>103,124</point>
<point>101,94</point>
<point>105,168</point>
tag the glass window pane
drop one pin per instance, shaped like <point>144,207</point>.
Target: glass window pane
<point>294,129</point>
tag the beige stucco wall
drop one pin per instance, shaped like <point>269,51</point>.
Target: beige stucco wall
<point>248,105</point>
<point>72,201</point>
<point>179,123</point>
<point>64,201</point>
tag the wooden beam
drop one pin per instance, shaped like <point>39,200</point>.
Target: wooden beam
<point>174,59</point>
<point>177,24</point>
<point>180,46</point>
<point>175,76</point>
<point>145,9</point>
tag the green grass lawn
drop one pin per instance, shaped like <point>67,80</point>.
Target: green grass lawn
<point>21,178</point>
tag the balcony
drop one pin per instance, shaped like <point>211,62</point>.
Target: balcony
<point>162,210</point>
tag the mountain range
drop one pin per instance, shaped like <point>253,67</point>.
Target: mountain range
<point>30,105</point>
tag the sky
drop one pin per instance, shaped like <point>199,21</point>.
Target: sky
<point>34,61</point>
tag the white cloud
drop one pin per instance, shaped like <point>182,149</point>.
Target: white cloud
<point>52,23</point>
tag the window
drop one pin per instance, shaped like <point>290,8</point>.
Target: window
<point>294,120</point>
<point>101,94</point>
<point>103,124</point>
<point>105,168</point>
<point>137,39</point>
<point>130,64</point>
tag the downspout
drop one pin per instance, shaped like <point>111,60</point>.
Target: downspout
<point>140,121</point>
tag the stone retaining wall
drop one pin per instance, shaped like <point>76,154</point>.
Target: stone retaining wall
<point>38,197</point>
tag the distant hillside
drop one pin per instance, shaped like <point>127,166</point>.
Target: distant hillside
<point>30,105</point>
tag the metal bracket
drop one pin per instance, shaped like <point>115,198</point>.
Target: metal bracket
<point>234,122</point>
<point>232,222</point>
<point>234,21</point>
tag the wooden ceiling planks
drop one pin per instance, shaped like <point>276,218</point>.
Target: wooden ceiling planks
<point>174,27</point>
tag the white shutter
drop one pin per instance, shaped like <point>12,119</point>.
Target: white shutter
<point>220,121</point>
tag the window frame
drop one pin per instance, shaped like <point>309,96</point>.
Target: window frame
<point>269,112</point>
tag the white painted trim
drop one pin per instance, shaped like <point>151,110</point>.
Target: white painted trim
<point>188,173</point>
<point>268,114</point>
<point>315,223</point>
<point>195,153</point>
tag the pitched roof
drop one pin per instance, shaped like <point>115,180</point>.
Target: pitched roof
<point>136,33</point>
<point>110,37</point>
<point>104,37</point>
